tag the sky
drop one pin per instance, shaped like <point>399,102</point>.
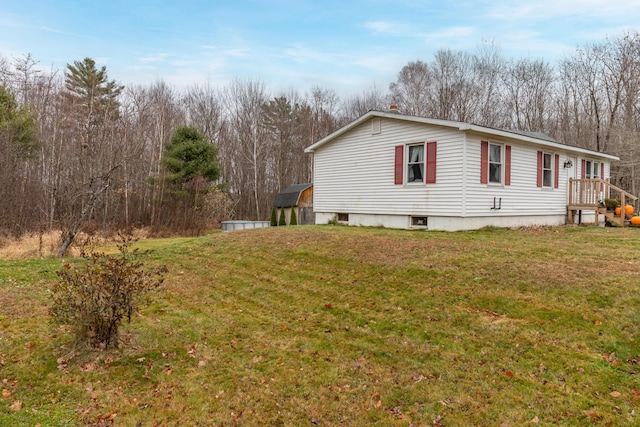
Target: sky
<point>348,46</point>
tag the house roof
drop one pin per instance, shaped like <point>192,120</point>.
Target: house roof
<point>530,137</point>
<point>290,195</point>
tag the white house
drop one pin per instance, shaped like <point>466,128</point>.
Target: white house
<point>392,170</point>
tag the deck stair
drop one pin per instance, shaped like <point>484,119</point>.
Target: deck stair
<point>589,195</point>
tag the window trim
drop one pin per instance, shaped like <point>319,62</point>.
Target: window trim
<point>595,173</point>
<point>501,163</point>
<point>550,170</point>
<point>409,163</point>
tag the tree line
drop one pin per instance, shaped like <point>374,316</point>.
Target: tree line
<point>79,150</point>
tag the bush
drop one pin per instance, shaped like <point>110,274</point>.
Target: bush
<point>294,218</point>
<point>282,220</point>
<point>274,223</point>
<point>94,299</point>
<point>611,203</point>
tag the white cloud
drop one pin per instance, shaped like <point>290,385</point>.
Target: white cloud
<point>383,27</point>
<point>158,57</point>
<point>237,52</point>
<point>302,55</point>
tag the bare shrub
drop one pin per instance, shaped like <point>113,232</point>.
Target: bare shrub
<point>96,297</point>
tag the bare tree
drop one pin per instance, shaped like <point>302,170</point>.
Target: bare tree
<point>245,146</point>
<point>528,84</point>
<point>410,92</point>
<point>368,100</point>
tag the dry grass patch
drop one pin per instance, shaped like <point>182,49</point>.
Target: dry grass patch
<point>46,244</point>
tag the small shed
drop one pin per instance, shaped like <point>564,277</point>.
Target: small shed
<point>298,197</point>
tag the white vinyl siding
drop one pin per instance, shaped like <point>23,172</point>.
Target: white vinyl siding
<point>522,196</point>
<point>355,172</point>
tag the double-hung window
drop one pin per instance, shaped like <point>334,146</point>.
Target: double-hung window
<point>495,163</point>
<point>415,163</point>
<point>548,175</point>
<point>592,169</point>
<point>547,170</point>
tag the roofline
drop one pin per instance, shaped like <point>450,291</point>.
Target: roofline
<point>461,126</point>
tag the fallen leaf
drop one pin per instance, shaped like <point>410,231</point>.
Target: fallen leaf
<point>397,412</point>
<point>329,306</point>
<point>590,414</point>
<point>535,420</point>
<point>6,393</point>
<point>191,351</point>
<point>16,406</point>
<point>202,364</point>
<point>377,400</point>
<point>509,374</point>
<point>615,394</point>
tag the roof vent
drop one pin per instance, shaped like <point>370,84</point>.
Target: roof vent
<point>393,109</point>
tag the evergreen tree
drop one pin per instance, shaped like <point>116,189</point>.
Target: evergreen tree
<point>282,220</point>
<point>18,133</point>
<point>192,162</point>
<point>294,219</point>
<point>189,155</point>
<point>274,222</point>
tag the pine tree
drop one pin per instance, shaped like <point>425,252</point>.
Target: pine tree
<point>282,220</point>
<point>274,222</point>
<point>294,219</point>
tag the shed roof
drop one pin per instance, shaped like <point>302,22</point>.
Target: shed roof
<point>290,195</point>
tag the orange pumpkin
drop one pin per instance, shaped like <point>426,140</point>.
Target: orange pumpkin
<point>635,220</point>
<point>618,210</point>
<point>628,210</point>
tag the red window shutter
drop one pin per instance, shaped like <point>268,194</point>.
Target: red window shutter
<point>431,163</point>
<point>584,168</point>
<point>507,165</point>
<point>399,165</point>
<point>484,162</point>
<point>539,179</point>
<point>601,170</point>
<point>556,180</point>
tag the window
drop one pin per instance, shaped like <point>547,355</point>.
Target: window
<point>419,163</point>
<point>415,163</point>
<point>495,163</point>
<point>547,170</point>
<point>343,217</point>
<point>418,221</point>
<point>593,169</point>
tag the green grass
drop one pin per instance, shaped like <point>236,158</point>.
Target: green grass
<point>330,325</point>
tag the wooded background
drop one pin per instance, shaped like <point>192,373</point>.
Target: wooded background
<point>76,146</point>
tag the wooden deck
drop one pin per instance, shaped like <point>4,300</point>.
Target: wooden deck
<point>589,195</point>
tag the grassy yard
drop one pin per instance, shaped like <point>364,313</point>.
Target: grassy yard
<point>329,325</point>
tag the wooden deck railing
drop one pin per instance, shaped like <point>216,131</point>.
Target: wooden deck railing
<point>589,194</point>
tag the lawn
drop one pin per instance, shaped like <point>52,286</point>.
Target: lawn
<point>332,325</point>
